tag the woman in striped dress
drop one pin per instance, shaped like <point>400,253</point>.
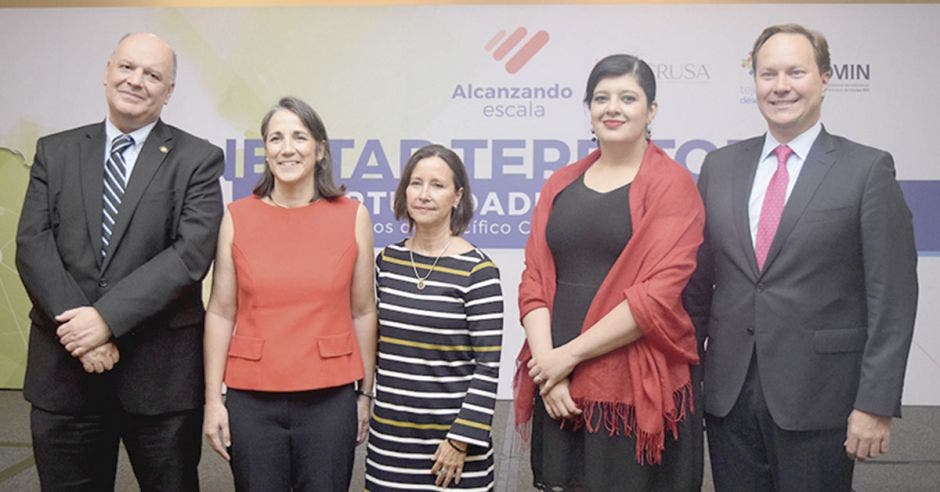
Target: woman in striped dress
<point>440,333</point>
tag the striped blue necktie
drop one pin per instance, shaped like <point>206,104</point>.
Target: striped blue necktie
<point>115,181</point>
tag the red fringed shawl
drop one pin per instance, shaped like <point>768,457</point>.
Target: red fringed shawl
<point>641,387</point>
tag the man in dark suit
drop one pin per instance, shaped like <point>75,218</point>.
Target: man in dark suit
<point>806,290</point>
<point>115,237</point>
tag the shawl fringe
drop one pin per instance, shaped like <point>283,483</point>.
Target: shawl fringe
<point>615,417</point>
<point>522,392</point>
<point>620,419</point>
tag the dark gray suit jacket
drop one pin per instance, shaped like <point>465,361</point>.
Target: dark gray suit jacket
<point>148,289</point>
<point>831,316</point>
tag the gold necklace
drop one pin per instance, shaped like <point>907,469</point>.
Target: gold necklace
<point>271,196</point>
<point>414,267</point>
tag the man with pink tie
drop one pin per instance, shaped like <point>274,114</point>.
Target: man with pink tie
<point>806,290</point>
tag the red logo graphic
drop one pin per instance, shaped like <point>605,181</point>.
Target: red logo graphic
<point>523,55</point>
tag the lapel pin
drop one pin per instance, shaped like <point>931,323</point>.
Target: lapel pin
<point>164,149</point>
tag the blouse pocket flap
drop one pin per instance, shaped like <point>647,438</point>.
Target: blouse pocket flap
<point>243,347</point>
<point>335,345</point>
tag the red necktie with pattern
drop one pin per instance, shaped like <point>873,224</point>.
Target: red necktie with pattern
<point>774,200</point>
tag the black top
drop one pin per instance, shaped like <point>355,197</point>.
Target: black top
<point>586,232</point>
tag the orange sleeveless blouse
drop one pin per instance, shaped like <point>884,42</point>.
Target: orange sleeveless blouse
<point>293,325</point>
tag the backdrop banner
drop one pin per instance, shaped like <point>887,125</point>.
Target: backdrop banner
<point>501,85</point>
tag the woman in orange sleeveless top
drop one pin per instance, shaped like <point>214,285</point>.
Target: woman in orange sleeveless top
<point>291,321</point>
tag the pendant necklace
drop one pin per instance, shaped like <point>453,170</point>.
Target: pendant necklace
<point>414,267</point>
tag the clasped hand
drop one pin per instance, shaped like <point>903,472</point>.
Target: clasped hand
<point>82,330</point>
<point>550,368</point>
<point>558,402</point>
<point>85,335</point>
<point>101,358</point>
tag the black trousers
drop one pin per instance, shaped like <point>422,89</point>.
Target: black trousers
<point>750,452</point>
<point>80,452</point>
<point>301,441</point>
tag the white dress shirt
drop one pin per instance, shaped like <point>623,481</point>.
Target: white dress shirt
<point>768,165</point>
<point>130,154</point>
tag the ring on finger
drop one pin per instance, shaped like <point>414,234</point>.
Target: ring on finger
<point>538,379</point>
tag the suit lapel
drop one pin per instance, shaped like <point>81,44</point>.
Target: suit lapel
<point>91,160</point>
<point>155,150</point>
<point>747,161</point>
<point>818,162</point>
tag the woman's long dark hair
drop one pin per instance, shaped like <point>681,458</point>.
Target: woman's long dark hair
<point>323,169</point>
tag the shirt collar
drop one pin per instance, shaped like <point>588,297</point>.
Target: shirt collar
<point>799,145</point>
<point>139,135</point>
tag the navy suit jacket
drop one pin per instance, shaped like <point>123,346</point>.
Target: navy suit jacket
<point>831,316</point>
<point>148,289</point>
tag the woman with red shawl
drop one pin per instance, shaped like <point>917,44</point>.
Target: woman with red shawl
<point>605,373</point>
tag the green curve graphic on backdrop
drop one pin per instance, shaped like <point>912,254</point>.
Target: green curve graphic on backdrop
<point>14,304</point>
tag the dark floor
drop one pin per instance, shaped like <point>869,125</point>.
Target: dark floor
<point>912,465</point>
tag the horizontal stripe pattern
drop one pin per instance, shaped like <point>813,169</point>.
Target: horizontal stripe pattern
<point>438,368</point>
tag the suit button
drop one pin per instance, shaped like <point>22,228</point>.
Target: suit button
<point>760,287</point>
<point>750,331</point>
<point>103,283</point>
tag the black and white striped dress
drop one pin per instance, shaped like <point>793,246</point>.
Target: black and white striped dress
<point>438,368</point>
